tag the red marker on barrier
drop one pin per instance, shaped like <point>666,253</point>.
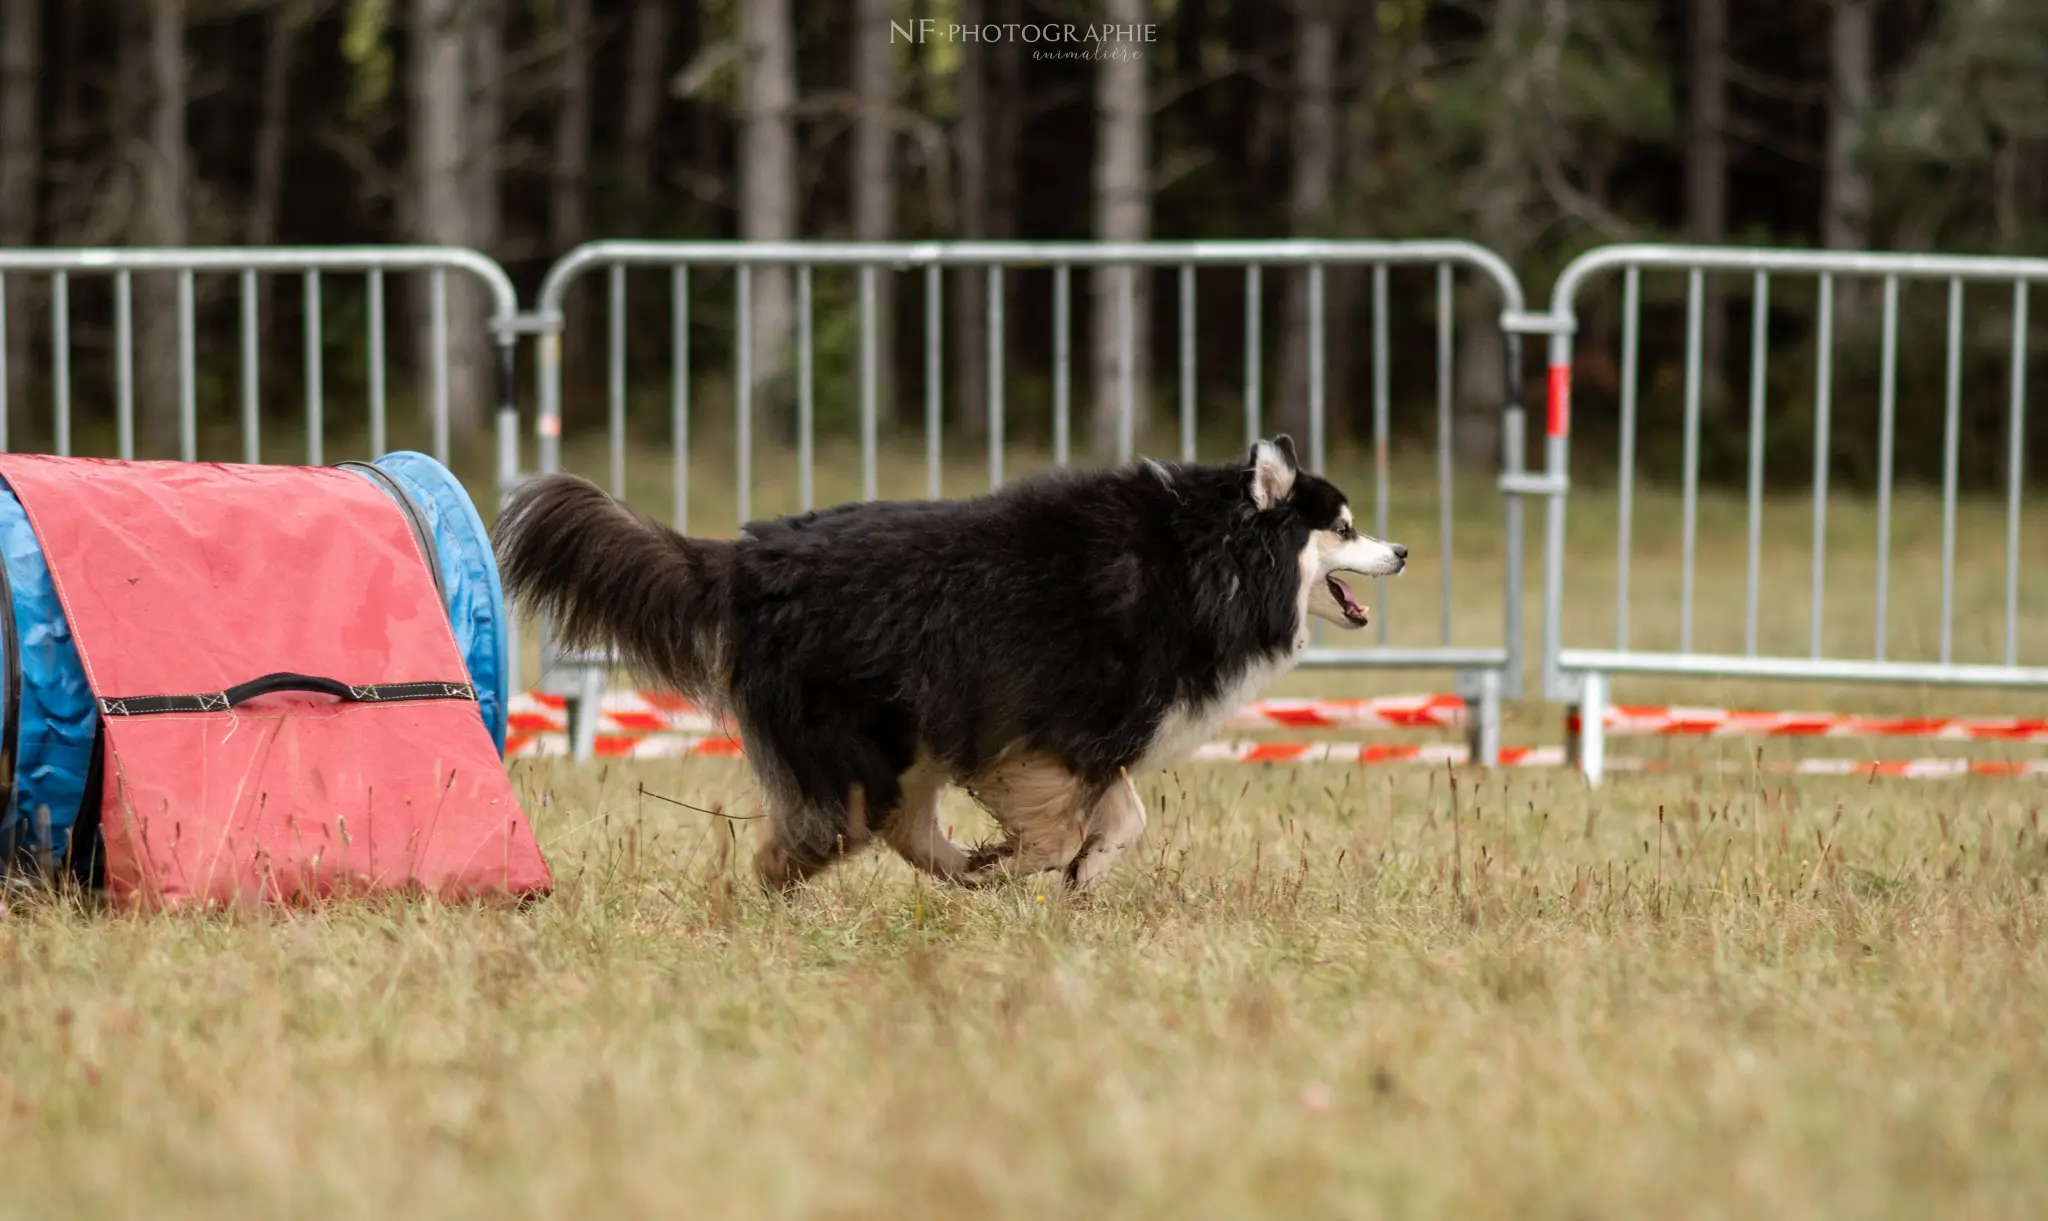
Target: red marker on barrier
<point>1558,413</point>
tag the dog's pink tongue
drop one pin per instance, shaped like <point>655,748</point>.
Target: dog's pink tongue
<point>1343,593</point>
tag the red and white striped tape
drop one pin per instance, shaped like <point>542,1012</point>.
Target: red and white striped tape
<point>1388,711</point>
<point>1623,719</point>
<point>654,725</point>
<point>1360,754</point>
<point>1365,753</point>
<point>643,712</point>
<point>619,712</point>
<point>625,746</point>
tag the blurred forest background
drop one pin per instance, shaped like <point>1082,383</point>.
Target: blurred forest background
<point>1535,127</point>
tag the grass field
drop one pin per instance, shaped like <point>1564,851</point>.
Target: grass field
<point>1316,991</point>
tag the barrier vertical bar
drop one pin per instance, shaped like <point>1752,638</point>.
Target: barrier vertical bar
<point>1694,293</point>
<point>1950,441</point>
<point>934,335</point>
<point>743,423</point>
<point>679,393</point>
<point>869,373</point>
<point>124,366</point>
<point>1126,363</point>
<point>379,416</point>
<point>995,376</point>
<point>252,416</point>
<point>1318,405</point>
<point>1759,339</point>
<point>615,375</point>
<point>1381,475</point>
<point>508,475</point>
<point>1886,428</point>
<point>1445,467</point>
<point>437,285</point>
<point>1187,362</point>
<point>1062,362</point>
<point>315,405</point>
<point>1557,424</point>
<point>806,407</point>
<point>2016,465</point>
<point>1631,343</point>
<point>1514,456</point>
<point>60,359</point>
<point>1823,400</point>
<point>547,370</point>
<point>5,373</point>
<point>1252,354</point>
<point>188,373</point>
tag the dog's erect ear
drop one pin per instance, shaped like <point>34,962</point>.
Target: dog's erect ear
<point>1270,471</point>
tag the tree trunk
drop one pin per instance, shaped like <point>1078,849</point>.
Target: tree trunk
<point>1004,104</point>
<point>1500,186</point>
<point>568,196</point>
<point>1845,217</point>
<point>21,152</point>
<point>1314,131</point>
<point>1706,178</point>
<point>568,217</point>
<point>1350,403</point>
<point>646,86</point>
<point>162,221</point>
<point>1845,224</point>
<point>442,205</point>
<point>266,175</point>
<point>969,313</point>
<point>1123,213</point>
<point>768,184</point>
<point>487,122</point>
<point>874,175</point>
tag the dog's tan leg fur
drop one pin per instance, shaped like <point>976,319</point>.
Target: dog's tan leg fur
<point>915,831</point>
<point>1114,824</point>
<point>1039,805</point>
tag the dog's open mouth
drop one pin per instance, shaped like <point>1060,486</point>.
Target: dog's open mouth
<point>1353,612</point>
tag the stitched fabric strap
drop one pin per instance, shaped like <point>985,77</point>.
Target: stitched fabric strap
<point>221,701</point>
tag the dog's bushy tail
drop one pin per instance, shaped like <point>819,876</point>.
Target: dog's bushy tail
<point>605,574</point>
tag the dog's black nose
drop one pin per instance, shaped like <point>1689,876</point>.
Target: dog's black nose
<point>1400,552</point>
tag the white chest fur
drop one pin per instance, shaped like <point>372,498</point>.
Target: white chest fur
<point>1188,725</point>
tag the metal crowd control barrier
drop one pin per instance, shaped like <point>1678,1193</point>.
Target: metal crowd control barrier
<point>310,263</point>
<point>1485,673</point>
<point>1579,675</point>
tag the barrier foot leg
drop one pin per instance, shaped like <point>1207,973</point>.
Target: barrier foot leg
<point>1592,736</point>
<point>583,714</point>
<point>1482,717</point>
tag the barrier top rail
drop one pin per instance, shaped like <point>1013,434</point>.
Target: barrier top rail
<point>115,259</point>
<point>1018,254</point>
<point>1875,264</point>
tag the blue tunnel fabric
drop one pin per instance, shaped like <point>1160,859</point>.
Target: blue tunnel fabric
<point>469,576</point>
<point>55,718</point>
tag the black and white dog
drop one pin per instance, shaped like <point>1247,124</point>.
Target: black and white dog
<point>1035,646</point>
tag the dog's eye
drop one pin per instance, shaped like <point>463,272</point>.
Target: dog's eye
<point>1345,531</point>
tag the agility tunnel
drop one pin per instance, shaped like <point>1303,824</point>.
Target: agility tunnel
<point>229,683</point>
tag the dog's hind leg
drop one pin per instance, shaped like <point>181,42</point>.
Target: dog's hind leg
<point>1115,823</point>
<point>914,830</point>
<point>1041,806</point>
<point>802,838</point>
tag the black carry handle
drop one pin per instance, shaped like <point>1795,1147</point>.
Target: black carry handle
<point>284,680</point>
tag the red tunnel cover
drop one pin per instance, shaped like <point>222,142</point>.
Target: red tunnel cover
<point>185,578</point>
